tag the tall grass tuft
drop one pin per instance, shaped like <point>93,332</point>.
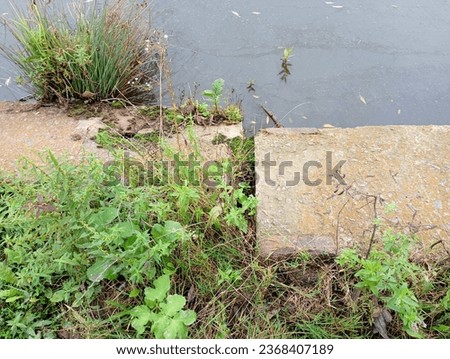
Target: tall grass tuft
<point>88,52</point>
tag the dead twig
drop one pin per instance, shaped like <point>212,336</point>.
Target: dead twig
<point>272,117</point>
<point>338,225</point>
<point>375,226</point>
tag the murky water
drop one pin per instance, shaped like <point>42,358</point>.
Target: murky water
<point>354,62</point>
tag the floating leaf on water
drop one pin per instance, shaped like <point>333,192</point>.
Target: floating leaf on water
<point>235,13</point>
<point>363,100</point>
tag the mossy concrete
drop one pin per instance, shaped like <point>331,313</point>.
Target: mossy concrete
<point>321,190</point>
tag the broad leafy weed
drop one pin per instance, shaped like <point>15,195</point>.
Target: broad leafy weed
<point>396,283</point>
<point>67,238</point>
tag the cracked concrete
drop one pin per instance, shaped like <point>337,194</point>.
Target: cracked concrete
<point>396,175</point>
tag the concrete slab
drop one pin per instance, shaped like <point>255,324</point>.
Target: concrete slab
<point>29,131</point>
<point>320,190</point>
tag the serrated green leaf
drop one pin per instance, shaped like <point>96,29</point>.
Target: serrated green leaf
<point>160,290</point>
<point>208,93</point>
<point>142,316</point>
<point>446,301</point>
<point>134,293</point>
<point>141,311</point>
<point>100,270</point>
<point>173,305</point>
<point>217,86</point>
<point>174,228</point>
<point>105,216</point>
<point>58,296</point>
<point>188,317</point>
<point>13,299</point>
<point>160,326</point>
<point>170,232</point>
<point>169,328</point>
<point>126,229</point>
<point>6,274</point>
<point>10,293</point>
<point>175,330</point>
<point>158,232</point>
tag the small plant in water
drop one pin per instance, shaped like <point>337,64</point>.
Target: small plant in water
<point>285,64</point>
<point>287,53</point>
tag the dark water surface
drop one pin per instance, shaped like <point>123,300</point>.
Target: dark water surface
<point>354,62</point>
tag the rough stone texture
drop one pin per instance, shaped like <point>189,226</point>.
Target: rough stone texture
<point>408,166</point>
<point>29,131</point>
<point>88,129</point>
<point>205,136</point>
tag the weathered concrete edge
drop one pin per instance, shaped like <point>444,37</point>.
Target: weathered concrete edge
<point>279,246</point>
<point>320,130</point>
<point>290,245</point>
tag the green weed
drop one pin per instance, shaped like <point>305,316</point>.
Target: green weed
<point>114,251</point>
<point>215,93</point>
<point>164,312</point>
<point>233,113</point>
<point>90,54</point>
<point>397,283</point>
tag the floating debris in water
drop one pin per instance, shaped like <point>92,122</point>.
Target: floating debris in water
<point>362,99</point>
<point>399,111</point>
<point>337,6</point>
<point>256,13</point>
<point>329,2</point>
<point>235,13</point>
<point>8,81</point>
<point>251,85</point>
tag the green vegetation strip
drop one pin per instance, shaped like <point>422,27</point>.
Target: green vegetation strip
<point>84,255</point>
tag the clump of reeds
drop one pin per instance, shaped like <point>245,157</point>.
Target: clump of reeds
<point>89,52</point>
